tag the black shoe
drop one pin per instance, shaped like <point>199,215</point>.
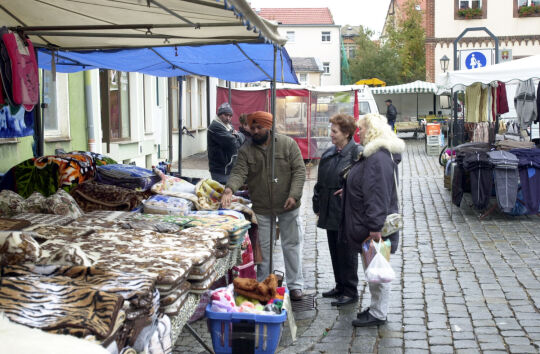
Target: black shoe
<point>296,295</point>
<point>359,315</point>
<point>367,320</point>
<point>344,300</point>
<point>332,293</point>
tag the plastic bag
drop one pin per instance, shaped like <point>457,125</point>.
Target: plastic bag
<point>379,269</point>
<point>370,248</point>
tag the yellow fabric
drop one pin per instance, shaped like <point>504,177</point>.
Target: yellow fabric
<point>371,82</point>
<point>473,96</point>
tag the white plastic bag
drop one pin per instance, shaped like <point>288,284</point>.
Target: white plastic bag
<point>379,269</point>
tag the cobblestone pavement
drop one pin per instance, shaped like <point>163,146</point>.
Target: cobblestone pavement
<point>465,285</point>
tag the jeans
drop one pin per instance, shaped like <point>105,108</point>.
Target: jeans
<point>291,235</point>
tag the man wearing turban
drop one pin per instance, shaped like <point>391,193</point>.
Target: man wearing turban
<point>223,143</point>
<point>254,166</point>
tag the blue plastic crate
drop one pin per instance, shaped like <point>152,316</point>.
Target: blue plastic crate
<point>267,329</point>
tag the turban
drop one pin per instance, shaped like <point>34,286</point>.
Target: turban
<point>260,117</point>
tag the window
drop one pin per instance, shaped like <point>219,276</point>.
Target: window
<point>302,78</point>
<point>351,52</point>
<point>325,36</point>
<point>115,105</point>
<point>363,107</point>
<point>290,36</point>
<point>190,120</point>
<point>56,96</point>
<point>147,102</point>
<point>326,68</point>
<point>471,9</point>
<point>200,102</point>
<point>528,2</point>
<point>470,4</point>
<point>173,82</point>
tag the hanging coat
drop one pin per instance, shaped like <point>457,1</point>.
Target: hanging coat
<point>525,103</point>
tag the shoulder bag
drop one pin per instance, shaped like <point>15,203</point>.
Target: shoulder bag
<point>393,222</point>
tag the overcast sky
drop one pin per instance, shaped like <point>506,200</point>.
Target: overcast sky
<point>369,13</point>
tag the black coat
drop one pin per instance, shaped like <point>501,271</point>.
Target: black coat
<point>369,195</point>
<point>391,113</point>
<point>222,148</point>
<point>329,180</point>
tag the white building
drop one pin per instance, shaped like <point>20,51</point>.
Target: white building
<point>310,32</point>
<point>518,31</point>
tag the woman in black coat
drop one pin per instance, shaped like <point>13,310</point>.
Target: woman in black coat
<point>327,205</point>
<point>369,195</point>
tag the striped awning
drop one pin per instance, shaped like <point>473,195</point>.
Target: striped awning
<point>411,87</point>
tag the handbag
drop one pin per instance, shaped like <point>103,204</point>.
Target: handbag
<point>393,222</point>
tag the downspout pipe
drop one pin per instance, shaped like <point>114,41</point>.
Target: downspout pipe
<point>88,99</point>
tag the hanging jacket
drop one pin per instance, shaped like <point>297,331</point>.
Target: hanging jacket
<point>529,177</point>
<point>329,181</point>
<point>502,100</point>
<point>525,103</point>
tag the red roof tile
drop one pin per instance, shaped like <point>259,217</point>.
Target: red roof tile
<point>298,16</point>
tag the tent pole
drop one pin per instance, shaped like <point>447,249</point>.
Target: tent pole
<point>180,127</point>
<point>272,163</point>
<point>38,121</point>
<point>417,106</point>
<point>229,92</point>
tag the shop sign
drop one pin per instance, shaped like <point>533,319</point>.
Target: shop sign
<point>505,55</point>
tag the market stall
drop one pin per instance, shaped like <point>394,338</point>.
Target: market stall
<point>165,38</point>
<point>416,102</point>
<point>492,150</point>
<point>303,113</point>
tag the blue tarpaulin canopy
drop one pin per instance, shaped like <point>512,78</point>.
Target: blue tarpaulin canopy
<point>242,62</point>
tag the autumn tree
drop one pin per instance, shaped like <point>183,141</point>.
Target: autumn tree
<point>408,40</point>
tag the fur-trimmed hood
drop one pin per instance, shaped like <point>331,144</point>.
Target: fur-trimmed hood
<point>393,144</point>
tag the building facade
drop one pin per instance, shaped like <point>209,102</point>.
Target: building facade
<point>130,117</point>
<point>517,29</point>
<point>310,32</point>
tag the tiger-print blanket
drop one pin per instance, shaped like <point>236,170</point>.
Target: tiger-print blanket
<point>59,304</point>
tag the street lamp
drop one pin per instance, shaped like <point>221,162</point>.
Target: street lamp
<point>444,63</point>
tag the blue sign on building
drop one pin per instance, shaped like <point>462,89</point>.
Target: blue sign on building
<point>475,60</point>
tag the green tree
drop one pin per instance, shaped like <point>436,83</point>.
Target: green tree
<point>398,59</point>
<point>408,39</point>
<point>373,60</point>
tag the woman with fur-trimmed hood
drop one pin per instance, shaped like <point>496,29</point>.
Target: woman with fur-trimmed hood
<point>369,195</point>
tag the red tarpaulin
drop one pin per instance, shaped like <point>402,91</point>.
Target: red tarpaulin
<point>243,102</point>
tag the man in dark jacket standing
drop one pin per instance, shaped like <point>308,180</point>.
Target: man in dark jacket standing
<point>254,166</point>
<point>223,144</point>
<point>391,113</point>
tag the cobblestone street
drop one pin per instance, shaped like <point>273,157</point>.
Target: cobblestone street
<point>464,285</point>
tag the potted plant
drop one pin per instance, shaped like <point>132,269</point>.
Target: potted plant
<point>470,13</point>
<point>525,10</point>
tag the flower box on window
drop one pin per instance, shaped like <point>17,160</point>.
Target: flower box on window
<point>526,11</point>
<point>470,13</point>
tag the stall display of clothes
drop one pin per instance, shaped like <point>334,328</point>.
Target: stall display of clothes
<point>529,176</point>
<point>525,103</point>
<point>505,166</point>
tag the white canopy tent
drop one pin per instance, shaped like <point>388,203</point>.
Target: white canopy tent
<point>515,70</point>
<point>410,87</point>
<point>106,24</point>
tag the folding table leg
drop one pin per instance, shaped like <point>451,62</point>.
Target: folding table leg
<point>198,338</point>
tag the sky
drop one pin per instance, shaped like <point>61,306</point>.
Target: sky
<point>368,13</point>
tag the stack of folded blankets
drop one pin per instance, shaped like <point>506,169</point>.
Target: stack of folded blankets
<point>107,307</point>
<point>127,176</point>
<point>99,196</point>
<point>505,166</point>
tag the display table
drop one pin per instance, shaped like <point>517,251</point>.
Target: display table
<point>221,267</point>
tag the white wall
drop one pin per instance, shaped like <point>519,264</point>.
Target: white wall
<point>499,20</point>
<point>308,43</point>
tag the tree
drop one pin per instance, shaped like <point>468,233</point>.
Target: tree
<point>373,60</point>
<point>398,59</point>
<point>408,39</point>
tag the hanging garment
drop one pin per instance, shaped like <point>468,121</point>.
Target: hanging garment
<point>473,96</point>
<point>484,104</point>
<point>525,103</point>
<point>529,177</point>
<point>459,185</point>
<point>502,100</point>
<point>24,80</point>
<point>505,166</point>
<point>538,103</point>
<point>494,103</point>
<point>481,171</point>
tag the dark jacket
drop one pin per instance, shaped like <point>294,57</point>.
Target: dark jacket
<point>254,166</point>
<point>222,148</point>
<point>391,113</point>
<point>330,180</point>
<point>369,195</point>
